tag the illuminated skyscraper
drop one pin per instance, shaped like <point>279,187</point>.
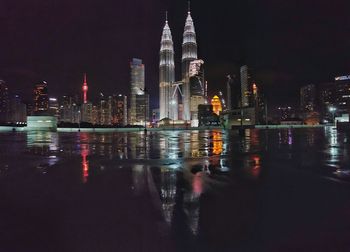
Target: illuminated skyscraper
<point>189,53</point>
<point>168,100</point>
<point>85,89</point>
<point>119,110</point>
<point>137,86</point>
<point>41,99</point>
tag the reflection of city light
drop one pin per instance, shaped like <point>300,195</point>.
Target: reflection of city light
<point>217,143</point>
<point>84,154</point>
<point>197,183</point>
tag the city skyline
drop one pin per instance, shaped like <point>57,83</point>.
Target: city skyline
<point>101,46</point>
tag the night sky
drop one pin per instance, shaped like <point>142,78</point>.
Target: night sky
<point>286,43</point>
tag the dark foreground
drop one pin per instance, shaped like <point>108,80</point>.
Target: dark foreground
<point>276,190</point>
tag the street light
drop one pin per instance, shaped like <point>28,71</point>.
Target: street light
<point>332,109</point>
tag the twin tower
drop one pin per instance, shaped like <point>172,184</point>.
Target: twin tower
<point>168,89</point>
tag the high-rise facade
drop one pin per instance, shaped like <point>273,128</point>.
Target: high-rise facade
<point>41,98</point>
<point>308,98</point>
<point>168,100</point>
<point>244,86</point>
<point>4,102</point>
<point>137,85</point>
<point>189,53</point>
<point>17,110</point>
<point>119,110</point>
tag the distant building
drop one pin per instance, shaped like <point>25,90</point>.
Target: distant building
<point>308,98</point>
<point>66,112</point>
<point>245,89</point>
<point>95,115</point>
<point>86,112</point>
<point>334,95</point>
<point>137,86</point>
<point>17,110</point>
<point>142,111</point>
<point>4,102</point>
<point>54,107</point>
<point>197,89</point>
<point>41,98</point>
<point>206,116</point>
<point>105,110</point>
<point>119,110</point>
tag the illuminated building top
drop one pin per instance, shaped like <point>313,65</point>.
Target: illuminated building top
<point>216,103</point>
<point>189,44</point>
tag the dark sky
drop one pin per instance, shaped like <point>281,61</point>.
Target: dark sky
<point>286,43</point>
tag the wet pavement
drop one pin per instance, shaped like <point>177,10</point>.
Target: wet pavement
<point>271,190</point>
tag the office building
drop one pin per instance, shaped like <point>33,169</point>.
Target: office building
<point>41,98</point>
<point>17,110</point>
<point>245,86</point>
<point>4,102</point>
<point>119,110</point>
<point>308,98</point>
<point>142,111</point>
<point>137,86</point>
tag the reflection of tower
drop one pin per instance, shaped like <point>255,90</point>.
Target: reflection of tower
<point>85,88</point>
<point>85,162</point>
<point>189,53</point>
<point>167,102</point>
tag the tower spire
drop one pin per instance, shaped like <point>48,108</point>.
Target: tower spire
<point>189,6</point>
<point>166,16</point>
<point>85,89</point>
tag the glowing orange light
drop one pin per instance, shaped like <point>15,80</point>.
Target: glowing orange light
<point>216,103</point>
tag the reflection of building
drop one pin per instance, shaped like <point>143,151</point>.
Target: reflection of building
<point>168,99</point>
<point>4,102</point>
<point>41,99</point>
<point>137,86</point>
<point>189,53</point>
<point>216,103</point>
